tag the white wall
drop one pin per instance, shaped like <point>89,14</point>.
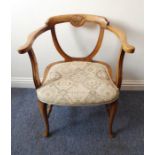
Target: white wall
<point>29,15</point>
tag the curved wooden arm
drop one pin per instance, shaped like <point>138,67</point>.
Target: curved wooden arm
<point>28,45</point>
<point>126,47</point>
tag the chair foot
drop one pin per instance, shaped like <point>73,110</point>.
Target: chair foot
<point>112,135</point>
<point>112,109</point>
<point>46,133</point>
<point>43,112</point>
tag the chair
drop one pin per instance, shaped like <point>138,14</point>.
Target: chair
<point>77,81</point>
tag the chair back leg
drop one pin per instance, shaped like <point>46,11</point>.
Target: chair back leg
<point>49,109</point>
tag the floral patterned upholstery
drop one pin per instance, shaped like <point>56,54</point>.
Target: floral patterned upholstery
<point>78,83</point>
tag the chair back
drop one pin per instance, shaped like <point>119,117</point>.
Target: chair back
<point>78,20</point>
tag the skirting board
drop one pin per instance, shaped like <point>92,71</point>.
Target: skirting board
<point>22,82</point>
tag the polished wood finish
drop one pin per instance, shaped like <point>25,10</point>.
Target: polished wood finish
<point>119,68</point>
<point>43,111</point>
<point>121,35</point>
<point>111,115</point>
<point>31,38</point>
<point>77,20</point>
<point>69,58</point>
<point>35,70</point>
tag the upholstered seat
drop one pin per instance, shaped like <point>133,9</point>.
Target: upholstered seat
<point>78,83</point>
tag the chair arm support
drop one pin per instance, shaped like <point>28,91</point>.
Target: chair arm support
<point>121,35</point>
<point>119,68</point>
<point>35,70</point>
<point>31,38</point>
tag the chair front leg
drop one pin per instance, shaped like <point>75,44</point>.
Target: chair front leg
<point>44,115</point>
<point>111,109</point>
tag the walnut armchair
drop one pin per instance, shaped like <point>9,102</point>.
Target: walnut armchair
<point>77,81</point>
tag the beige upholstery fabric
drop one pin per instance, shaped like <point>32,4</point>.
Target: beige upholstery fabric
<point>78,83</point>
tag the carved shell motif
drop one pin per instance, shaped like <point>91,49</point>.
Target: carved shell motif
<point>77,20</point>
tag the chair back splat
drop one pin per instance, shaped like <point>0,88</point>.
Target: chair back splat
<point>78,20</point>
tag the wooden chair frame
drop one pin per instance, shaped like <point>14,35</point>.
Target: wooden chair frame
<point>76,20</point>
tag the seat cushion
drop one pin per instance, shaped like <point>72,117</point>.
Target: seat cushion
<point>78,83</point>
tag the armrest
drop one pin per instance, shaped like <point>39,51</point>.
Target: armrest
<point>121,35</point>
<point>31,38</point>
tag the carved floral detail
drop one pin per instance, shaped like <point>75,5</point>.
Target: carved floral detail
<point>77,20</point>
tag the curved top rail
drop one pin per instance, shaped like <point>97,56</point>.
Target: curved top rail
<point>78,20</point>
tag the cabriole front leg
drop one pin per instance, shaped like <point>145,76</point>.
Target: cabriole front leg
<point>111,109</point>
<point>44,115</point>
